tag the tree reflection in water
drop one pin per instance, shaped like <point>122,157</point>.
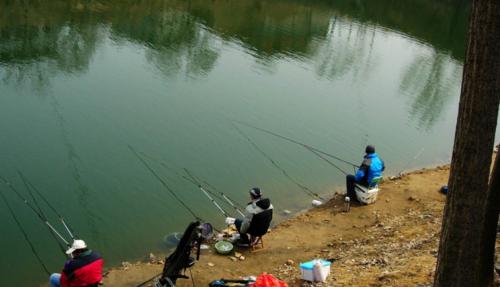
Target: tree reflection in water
<point>430,79</point>
<point>41,39</point>
<point>346,47</point>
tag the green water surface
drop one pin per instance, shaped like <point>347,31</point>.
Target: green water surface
<point>81,81</point>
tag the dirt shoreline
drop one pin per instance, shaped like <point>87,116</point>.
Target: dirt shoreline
<point>392,242</point>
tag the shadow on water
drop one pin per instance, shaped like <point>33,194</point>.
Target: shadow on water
<point>74,161</point>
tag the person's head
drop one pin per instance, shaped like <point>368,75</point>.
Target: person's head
<point>369,149</point>
<point>77,247</point>
<point>255,193</point>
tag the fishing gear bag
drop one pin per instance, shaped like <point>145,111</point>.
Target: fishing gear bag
<point>181,259</point>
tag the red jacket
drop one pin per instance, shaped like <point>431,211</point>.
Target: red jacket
<point>83,270</point>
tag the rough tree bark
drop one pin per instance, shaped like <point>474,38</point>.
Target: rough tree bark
<point>489,235</point>
<point>465,255</point>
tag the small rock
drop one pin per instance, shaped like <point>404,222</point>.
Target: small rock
<point>412,198</point>
<point>241,258</point>
<point>210,264</point>
<point>290,262</point>
<point>388,275</point>
<point>286,212</point>
<point>233,258</point>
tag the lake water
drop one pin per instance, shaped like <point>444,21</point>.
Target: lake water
<point>81,81</point>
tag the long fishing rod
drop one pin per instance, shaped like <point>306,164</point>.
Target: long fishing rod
<point>229,200</point>
<point>44,219</point>
<point>29,185</point>
<point>221,196</point>
<point>167,187</point>
<point>224,196</point>
<point>295,142</point>
<point>302,187</point>
<point>33,250</point>
<point>61,247</point>
<point>211,198</point>
<point>224,213</point>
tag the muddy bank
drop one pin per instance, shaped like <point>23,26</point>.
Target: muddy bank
<point>390,243</point>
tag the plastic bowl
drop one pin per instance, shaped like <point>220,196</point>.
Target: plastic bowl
<point>223,247</point>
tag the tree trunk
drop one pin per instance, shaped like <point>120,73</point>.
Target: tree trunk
<point>464,259</point>
<point>490,231</point>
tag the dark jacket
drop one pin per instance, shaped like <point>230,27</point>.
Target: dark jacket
<point>83,270</point>
<point>258,216</point>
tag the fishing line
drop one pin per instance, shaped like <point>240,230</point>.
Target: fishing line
<point>417,155</point>
<point>30,187</point>
<point>11,187</point>
<point>302,187</point>
<point>169,189</point>
<point>295,142</point>
<point>33,250</point>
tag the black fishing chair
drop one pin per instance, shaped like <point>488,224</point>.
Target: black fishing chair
<point>180,260</point>
<point>258,228</point>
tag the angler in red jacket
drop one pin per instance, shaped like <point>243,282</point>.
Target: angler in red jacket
<point>83,270</point>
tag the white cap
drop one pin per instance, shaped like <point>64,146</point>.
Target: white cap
<point>77,244</point>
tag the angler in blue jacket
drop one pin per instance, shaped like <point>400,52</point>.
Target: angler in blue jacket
<point>371,167</point>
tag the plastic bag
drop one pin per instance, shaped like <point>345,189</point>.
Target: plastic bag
<point>268,280</point>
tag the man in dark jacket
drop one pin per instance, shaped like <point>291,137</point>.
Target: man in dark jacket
<point>371,167</point>
<point>84,269</point>
<point>258,216</point>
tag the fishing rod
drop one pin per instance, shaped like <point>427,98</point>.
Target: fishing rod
<point>167,187</point>
<point>29,186</point>
<point>224,196</point>
<point>295,142</point>
<point>25,234</point>
<point>230,201</point>
<point>224,213</point>
<point>221,196</point>
<point>40,215</point>
<point>61,247</point>
<point>302,187</point>
<point>213,201</point>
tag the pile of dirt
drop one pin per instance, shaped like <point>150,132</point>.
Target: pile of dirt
<point>392,242</point>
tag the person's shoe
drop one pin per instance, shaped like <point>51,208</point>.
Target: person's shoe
<point>243,242</point>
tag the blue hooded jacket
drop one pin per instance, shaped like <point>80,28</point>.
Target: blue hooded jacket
<point>371,167</point>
